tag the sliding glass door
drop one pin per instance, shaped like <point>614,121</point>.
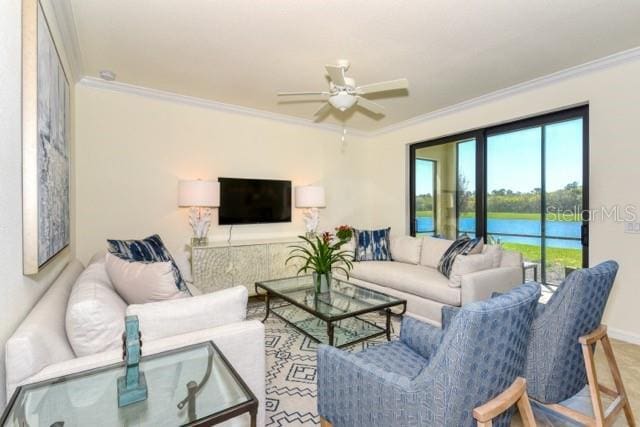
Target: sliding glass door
<point>535,194</point>
<point>444,189</point>
<point>426,193</point>
<point>523,185</point>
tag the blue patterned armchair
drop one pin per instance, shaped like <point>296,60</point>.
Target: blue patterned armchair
<point>431,376</point>
<point>555,368</point>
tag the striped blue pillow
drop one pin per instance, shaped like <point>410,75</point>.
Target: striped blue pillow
<point>461,246</point>
<point>151,249</point>
<point>372,245</point>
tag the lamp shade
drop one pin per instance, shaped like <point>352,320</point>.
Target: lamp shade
<point>199,193</point>
<point>310,196</point>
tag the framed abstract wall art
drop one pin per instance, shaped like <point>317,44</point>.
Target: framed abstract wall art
<point>45,143</point>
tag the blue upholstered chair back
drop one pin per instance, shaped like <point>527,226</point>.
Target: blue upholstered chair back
<point>555,365</point>
<point>481,354</point>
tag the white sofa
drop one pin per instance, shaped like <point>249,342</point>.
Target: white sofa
<point>413,275</point>
<point>40,349</point>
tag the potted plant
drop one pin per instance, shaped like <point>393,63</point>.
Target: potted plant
<point>324,254</point>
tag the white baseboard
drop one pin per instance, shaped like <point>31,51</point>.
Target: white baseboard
<point>625,336</point>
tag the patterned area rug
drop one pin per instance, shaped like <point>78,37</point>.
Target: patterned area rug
<point>291,367</point>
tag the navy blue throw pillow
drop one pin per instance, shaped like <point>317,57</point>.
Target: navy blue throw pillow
<point>461,246</point>
<point>151,249</point>
<point>372,245</point>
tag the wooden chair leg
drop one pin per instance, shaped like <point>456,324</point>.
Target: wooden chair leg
<point>617,380</point>
<point>602,417</point>
<point>516,394</point>
<point>594,390</point>
<point>325,423</point>
<point>526,413</point>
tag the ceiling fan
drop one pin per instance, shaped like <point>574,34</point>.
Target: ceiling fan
<point>344,94</point>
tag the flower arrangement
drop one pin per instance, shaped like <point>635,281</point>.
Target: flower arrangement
<point>323,255</point>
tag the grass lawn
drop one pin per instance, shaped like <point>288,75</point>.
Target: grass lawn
<point>512,215</point>
<point>564,256</point>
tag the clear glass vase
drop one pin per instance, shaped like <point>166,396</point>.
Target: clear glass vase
<point>321,282</point>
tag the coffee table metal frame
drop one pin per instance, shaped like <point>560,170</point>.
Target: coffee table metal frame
<point>330,320</point>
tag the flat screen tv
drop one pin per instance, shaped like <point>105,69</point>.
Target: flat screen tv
<point>254,201</point>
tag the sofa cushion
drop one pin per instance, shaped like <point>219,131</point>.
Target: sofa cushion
<point>406,249</point>
<point>466,264</point>
<point>418,280</point>
<point>495,251</point>
<point>142,282</point>
<point>95,313</point>
<point>41,338</point>
<point>372,245</point>
<point>511,259</point>
<point>432,250</point>
<point>151,249</point>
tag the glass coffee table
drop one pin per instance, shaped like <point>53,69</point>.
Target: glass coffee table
<point>194,386</point>
<point>333,317</point>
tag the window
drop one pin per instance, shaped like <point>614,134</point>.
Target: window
<point>425,199</point>
<point>523,185</point>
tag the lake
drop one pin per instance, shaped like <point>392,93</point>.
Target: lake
<point>519,226</point>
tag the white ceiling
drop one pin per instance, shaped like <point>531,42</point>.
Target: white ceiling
<point>243,51</point>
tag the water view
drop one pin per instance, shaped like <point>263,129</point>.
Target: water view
<point>564,229</point>
<point>529,172</point>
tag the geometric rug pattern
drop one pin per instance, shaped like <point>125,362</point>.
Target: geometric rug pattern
<point>291,367</point>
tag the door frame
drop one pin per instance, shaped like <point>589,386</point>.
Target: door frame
<point>480,136</point>
<point>412,173</point>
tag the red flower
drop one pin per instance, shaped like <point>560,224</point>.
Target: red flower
<point>327,237</point>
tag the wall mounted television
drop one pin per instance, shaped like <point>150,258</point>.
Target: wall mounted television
<point>254,201</point>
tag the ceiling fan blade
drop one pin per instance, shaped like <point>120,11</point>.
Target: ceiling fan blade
<point>383,86</point>
<point>370,105</point>
<point>336,74</point>
<point>323,110</point>
<point>303,93</point>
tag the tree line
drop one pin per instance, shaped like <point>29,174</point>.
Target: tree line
<point>568,198</point>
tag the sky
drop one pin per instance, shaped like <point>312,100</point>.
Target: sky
<point>513,159</point>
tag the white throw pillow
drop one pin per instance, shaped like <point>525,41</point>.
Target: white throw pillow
<point>406,249</point>
<point>432,251</point>
<point>95,313</point>
<point>143,282</point>
<point>495,251</point>
<point>465,264</point>
<point>182,257</point>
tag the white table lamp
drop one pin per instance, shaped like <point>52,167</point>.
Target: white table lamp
<point>310,198</point>
<point>200,196</point>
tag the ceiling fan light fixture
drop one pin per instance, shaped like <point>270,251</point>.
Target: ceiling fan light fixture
<point>342,101</point>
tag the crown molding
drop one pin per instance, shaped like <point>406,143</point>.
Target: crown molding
<point>67,29</point>
<point>213,105</point>
<point>588,67</point>
<point>595,65</point>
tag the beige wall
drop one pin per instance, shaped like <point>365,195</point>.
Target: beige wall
<point>613,95</point>
<point>133,149</point>
<point>18,293</point>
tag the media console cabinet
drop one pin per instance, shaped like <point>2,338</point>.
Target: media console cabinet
<point>219,265</point>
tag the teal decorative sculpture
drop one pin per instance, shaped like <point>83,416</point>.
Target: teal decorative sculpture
<point>132,387</point>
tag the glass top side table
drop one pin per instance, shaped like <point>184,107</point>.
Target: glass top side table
<point>194,386</point>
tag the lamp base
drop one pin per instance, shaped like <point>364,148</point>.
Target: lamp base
<point>199,241</point>
<point>311,220</point>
